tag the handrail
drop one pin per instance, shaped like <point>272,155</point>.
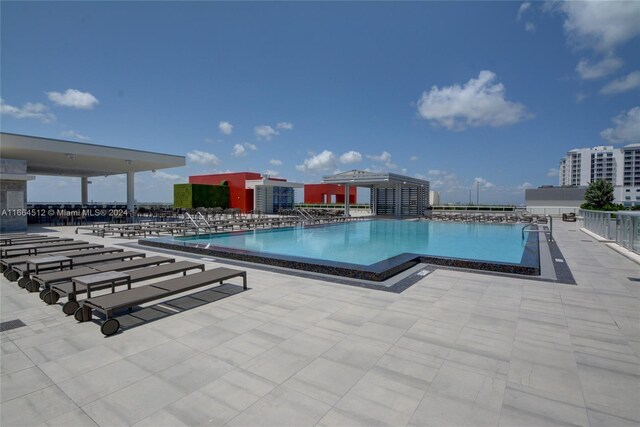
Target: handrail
<point>542,230</point>
<point>200,216</point>
<point>194,223</point>
<point>528,225</point>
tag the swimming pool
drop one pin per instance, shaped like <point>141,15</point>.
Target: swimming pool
<point>375,249</point>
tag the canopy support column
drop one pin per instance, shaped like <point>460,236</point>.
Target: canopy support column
<point>346,200</point>
<point>84,190</point>
<point>130,192</point>
<point>398,197</point>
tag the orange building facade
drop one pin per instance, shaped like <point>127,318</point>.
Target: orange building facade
<point>327,193</point>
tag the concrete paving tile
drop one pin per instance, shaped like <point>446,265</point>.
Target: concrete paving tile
<point>35,408</point>
<point>420,345</point>
<point>75,418</point>
<point>245,322</point>
<point>395,319</point>
<point>312,342</point>
<point>601,419</point>
<point>442,410</point>
<point>379,332</point>
<point>358,352</point>
<point>161,418</point>
<point>162,356</point>
<point>282,407</point>
<point>86,388</point>
<point>325,380</point>
<point>14,361</point>
<point>195,372</point>
<point>79,363</point>
<point>245,347</point>
<point>133,403</point>
<point>206,338</point>
<point>481,363</point>
<point>277,364</point>
<point>611,392</point>
<point>526,406</point>
<point>561,383</point>
<point>23,382</point>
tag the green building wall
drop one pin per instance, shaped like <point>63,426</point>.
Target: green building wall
<point>200,196</point>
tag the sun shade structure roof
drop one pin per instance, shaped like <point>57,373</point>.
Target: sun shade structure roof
<point>46,156</point>
<point>372,179</point>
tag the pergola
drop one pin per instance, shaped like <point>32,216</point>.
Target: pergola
<point>378,180</point>
<point>46,156</point>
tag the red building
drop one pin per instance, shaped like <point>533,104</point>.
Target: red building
<point>327,193</point>
<point>249,191</point>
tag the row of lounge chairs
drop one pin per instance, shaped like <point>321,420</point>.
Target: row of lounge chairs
<point>97,268</point>
<point>493,218</point>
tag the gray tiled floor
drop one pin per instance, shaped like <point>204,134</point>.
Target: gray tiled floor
<point>457,348</point>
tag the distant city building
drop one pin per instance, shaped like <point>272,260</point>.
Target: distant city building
<point>434,198</point>
<point>619,166</point>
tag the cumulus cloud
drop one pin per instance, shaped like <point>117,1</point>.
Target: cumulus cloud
<point>28,110</point>
<point>553,172</point>
<point>606,66</point>
<point>238,150</point>
<point>629,82</point>
<point>530,27</point>
<point>252,147</point>
<point>203,158</point>
<point>166,176</point>
<point>483,182</point>
<point>275,162</point>
<point>271,172</point>
<point>626,129</point>
<point>350,157</point>
<point>225,127</point>
<point>442,180</point>
<point>284,125</point>
<point>384,158</point>
<point>600,25</point>
<point>413,158</point>
<point>523,8</point>
<point>265,132</point>
<point>524,186</point>
<point>74,135</point>
<point>479,102</point>
<point>74,98</point>
<point>581,97</point>
<point>319,162</point>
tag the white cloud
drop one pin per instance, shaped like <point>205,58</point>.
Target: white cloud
<point>238,150</point>
<point>629,82</point>
<point>74,98</point>
<point>265,132</point>
<point>225,127</point>
<point>320,162</point>
<point>626,129</point>
<point>385,158</point>
<point>420,176</point>
<point>166,176</point>
<point>252,147</point>
<point>350,157</point>
<point>606,66</point>
<point>212,141</point>
<point>203,158</point>
<point>413,158</point>
<point>443,180</point>
<point>523,8</point>
<point>600,25</point>
<point>275,162</point>
<point>403,170</point>
<point>29,110</point>
<point>553,172</point>
<point>581,97</point>
<point>530,27</point>
<point>75,135</point>
<point>271,172</point>
<point>524,186</point>
<point>284,125</point>
<point>483,182</point>
<point>479,102</point>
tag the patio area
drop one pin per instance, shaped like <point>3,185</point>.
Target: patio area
<point>456,348</point>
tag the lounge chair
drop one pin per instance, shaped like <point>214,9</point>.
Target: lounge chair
<point>5,263</point>
<point>570,217</point>
<point>46,280</point>
<point>35,248</point>
<point>108,303</point>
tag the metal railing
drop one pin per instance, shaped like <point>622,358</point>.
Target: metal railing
<point>601,223</point>
<point>628,230</point>
<point>622,226</point>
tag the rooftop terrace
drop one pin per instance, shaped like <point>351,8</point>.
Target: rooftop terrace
<point>456,348</point>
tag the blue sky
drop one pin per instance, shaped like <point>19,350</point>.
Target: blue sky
<point>454,92</point>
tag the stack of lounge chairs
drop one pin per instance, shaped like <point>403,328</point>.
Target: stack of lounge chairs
<point>91,268</point>
<point>510,218</point>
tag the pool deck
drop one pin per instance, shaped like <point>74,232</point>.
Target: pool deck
<point>456,348</point>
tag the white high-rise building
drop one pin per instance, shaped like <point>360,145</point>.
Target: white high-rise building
<point>434,198</point>
<point>619,166</point>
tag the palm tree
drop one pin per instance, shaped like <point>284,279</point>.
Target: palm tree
<point>599,194</point>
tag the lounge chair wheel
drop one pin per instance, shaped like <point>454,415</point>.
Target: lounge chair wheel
<point>70,307</point>
<point>110,327</point>
<point>12,276</point>
<point>50,297</point>
<point>2,268</point>
<point>78,315</point>
<point>42,292</point>
<point>23,282</point>
<point>32,286</point>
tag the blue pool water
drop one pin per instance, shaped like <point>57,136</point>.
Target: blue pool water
<point>368,242</point>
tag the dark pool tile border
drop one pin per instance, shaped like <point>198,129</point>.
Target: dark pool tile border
<point>377,272</point>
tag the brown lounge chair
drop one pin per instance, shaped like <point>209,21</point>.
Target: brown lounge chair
<point>70,291</point>
<point>129,298</point>
<point>46,280</point>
